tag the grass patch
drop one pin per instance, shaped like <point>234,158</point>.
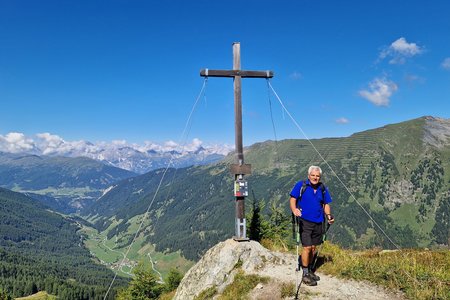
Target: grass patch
<point>288,290</point>
<point>38,296</point>
<point>406,214</point>
<point>76,191</point>
<point>277,244</point>
<point>207,294</point>
<point>167,296</point>
<point>241,286</point>
<point>238,264</point>
<point>420,274</point>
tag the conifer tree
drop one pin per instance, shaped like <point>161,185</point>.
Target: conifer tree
<point>4,295</point>
<point>255,221</point>
<point>144,286</point>
<point>173,280</point>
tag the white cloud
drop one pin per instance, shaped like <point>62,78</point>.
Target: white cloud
<point>405,48</point>
<point>15,142</point>
<point>296,75</point>
<point>223,149</point>
<point>400,50</point>
<point>412,78</point>
<point>379,92</point>
<point>446,63</point>
<point>119,142</point>
<point>194,145</point>
<point>169,146</point>
<point>342,120</point>
<point>150,146</point>
<point>50,144</point>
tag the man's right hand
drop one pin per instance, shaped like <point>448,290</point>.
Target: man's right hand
<point>297,212</point>
<point>292,203</point>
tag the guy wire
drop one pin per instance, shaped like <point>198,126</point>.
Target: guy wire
<point>273,123</point>
<point>184,137</point>
<point>184,133</point>
<point>332,170</point>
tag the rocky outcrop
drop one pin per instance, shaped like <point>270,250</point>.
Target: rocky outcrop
<point>220,264</point>
<point>437,132</point>
<point>400,192</point>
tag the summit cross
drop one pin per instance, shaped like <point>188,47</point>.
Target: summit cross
<point>240,168</point>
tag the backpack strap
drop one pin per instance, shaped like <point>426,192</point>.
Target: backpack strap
<point>324,189</point>
<point>302,190</point>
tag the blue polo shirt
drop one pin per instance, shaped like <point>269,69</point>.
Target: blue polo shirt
<point>311,203</point>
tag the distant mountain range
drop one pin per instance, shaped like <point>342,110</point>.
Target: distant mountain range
<point>132,157</point>
<point>64,184</point>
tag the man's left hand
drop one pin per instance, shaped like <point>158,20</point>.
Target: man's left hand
<point>330,219</point>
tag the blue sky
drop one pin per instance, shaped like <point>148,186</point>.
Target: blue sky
<point>129,70</point>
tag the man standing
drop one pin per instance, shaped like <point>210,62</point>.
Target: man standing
<point>310,201</point>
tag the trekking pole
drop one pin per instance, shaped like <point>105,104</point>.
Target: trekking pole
<point>324,238</point>
<point>294,230</point>
<point>297,269</point>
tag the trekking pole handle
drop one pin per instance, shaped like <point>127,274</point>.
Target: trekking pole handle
<point>293,227</point>
<point>297,226</point>
<point>329,218</point>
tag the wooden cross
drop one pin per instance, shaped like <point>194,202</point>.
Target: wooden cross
<point>239,169</point>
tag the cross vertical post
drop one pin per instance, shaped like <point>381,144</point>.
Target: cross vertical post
<point>240,168</point>
<point>240,223</point>
<point>238,104</point>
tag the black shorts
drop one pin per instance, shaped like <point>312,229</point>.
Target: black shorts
<point>310,233</point>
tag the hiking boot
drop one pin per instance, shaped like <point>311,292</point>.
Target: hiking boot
<point>314,276</point>
<point>308,280</point>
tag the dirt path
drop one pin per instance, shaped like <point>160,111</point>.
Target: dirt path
<point>334,288</point>
<point>161,280</point>
<point>329,287</point>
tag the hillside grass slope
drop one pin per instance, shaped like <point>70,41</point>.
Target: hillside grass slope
<point>419,273</point>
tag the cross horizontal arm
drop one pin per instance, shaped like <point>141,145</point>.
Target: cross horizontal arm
<point>234,73</point>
